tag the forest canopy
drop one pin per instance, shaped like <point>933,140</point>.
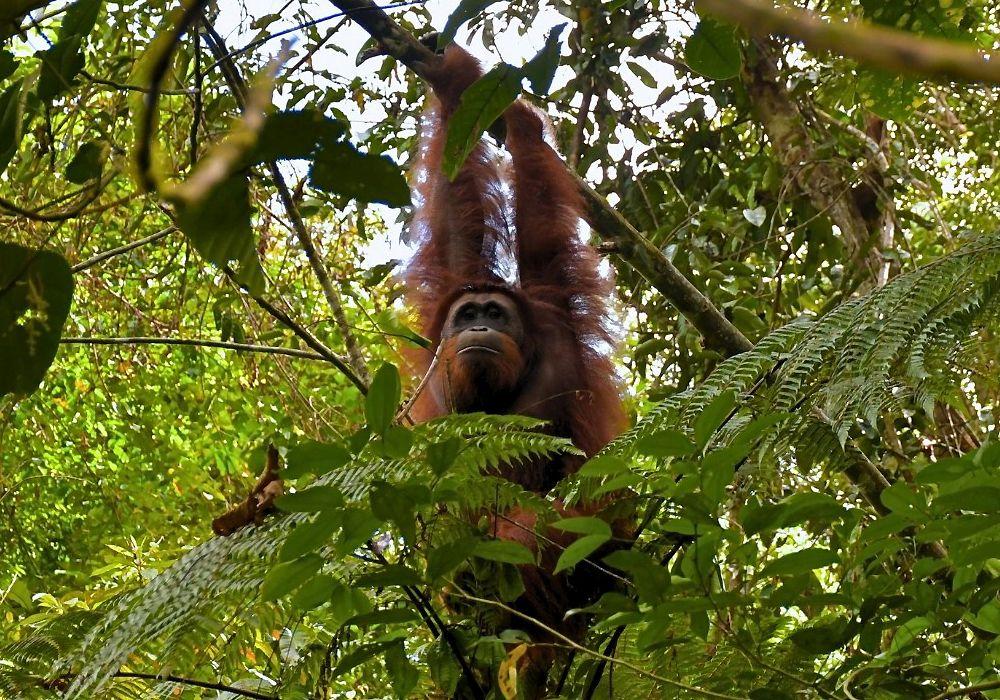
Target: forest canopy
<point>213,478</point>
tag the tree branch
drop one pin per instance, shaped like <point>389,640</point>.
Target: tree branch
<point>108,254</point>
<point>239,89</point>
<point>196,342</point>
<point>882,47</point>
<point>634,248</point>
<point>197,684</point>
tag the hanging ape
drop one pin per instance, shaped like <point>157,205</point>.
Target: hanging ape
<point>539,346</point>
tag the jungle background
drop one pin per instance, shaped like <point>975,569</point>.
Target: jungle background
<point>203,205</point>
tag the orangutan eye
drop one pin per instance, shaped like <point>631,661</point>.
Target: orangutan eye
<point>494,312</point>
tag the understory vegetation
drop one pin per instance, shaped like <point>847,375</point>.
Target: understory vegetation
<point>204,209</point>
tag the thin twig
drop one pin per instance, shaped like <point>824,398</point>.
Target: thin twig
<point>304,25</point>
<point>197,684</point>
<point>459,592</point>
<point>64,215</point>
<point>125,87</point>
<point>968,690</point>
<point>238,87</point>
<point>307,337</point>
<point>108,254</point>
<point>196,342</point>
<point>405,411</point>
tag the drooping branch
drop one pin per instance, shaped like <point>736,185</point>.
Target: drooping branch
<point>634,248</point>
<point>892,50</point>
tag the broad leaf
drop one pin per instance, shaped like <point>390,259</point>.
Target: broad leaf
<point>482,103</point>
<point>311,500</point>
<point>88,163</point>
<point>504,551</point>
<point>308,537</point>
<point>580,550</point>
<point>11,123</point>
<point>800,562</point>
<point>340,168</point>
<point>713,50</point>
<point>219,228</point>
<point>383,398</point>
<point>285,578</point>
<point>466,10</point>
<point>36,290</point>
<point>311,457</point>
<point>542,68</point>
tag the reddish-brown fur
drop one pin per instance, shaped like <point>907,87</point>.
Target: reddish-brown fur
<point>563,369</point>
<point>463,226</point>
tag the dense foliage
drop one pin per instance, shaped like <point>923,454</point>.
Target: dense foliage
<point>195,264</point>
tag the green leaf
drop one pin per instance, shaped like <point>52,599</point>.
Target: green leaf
<point>60,65</point>
<point>466,10</point>
<point>447,557</point>
<point>580,550</point>
<point>285,578</point>
<point>358,525</point>
<point>315,592</point>
<point>340,168</point>
<point>11,123</point>
<point>482,103</point>
<point>665,443</point>
<point>441,455</point>
<point>8,64</point>
<point>981,499</point>
<point>403,674</point>
<point>504,551</point>
<point>386,616</point>
<point>644,75</point>
<point>311,457</point>
<point>650,579</point>
<point>383,398</point>
<point>794,510</point>
<point>987,617</point>
<point>712,417</point>
<point>800,562</point>
<point>900,498</point>
<point>357,657</point>
<point>219,228</point>
<point>308,537</point>
<point>311,500</point>
<point>36,290</point>
<point>542,68</point>
<point>717,471</point>
<point>88,163</point>
<point>391,575</point>
<point>825,638</point>
<point>396,442</point>
<point>397,504</point>
<point>713,50</point>
<point>584,526</point>
<point>444,668</point>
<point>80,19</point>
<point>294,135</point>
<point>907,632</point>
<point>603,465</point>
